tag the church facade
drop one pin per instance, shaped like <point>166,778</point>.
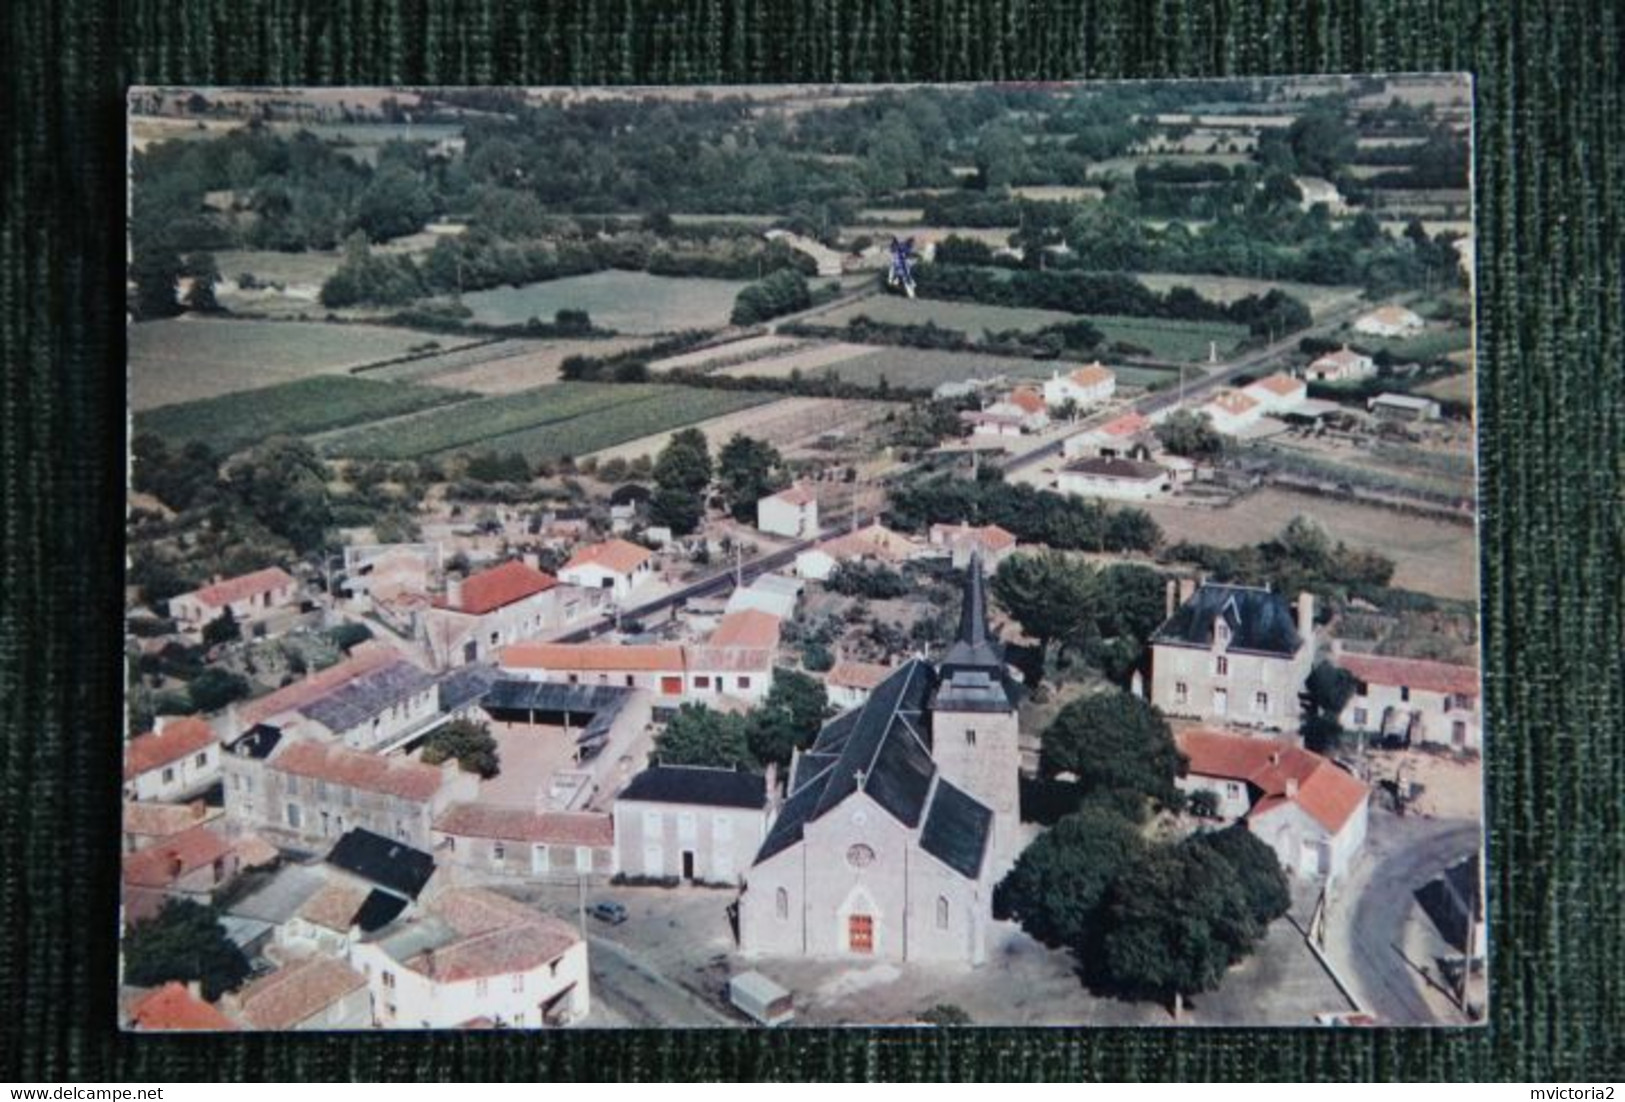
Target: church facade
<point>899,819</point>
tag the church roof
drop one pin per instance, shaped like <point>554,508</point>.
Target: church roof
<point>957,829</point>
<point>975,647</point>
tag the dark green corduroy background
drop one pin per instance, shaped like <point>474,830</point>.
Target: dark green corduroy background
<point>1551,178</point>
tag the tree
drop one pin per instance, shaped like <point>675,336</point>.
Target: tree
<point>1060,881</point>
<point>156,272</point>
<point>184,941</point>
<point>684,463</point>
<point>1053,598</point>
<point>215,688</point>
<point>1326,693</point>
<point>698,736</point>
<point>347,635</point>
<point>283,483</point>
<point>783,292</point>
<point>872,581</point>
<point>394,204</point>
<point>1192,435</point>
<point>1176,919</point>
<point>205,274</point>
<point>1136,602</point>
<point>222,629</point>
<point>789,718</point>
<point>1113,741</point>
<point>1256,868</point>
<point>1321,140</point>
<point>748,470</point>
<point>946,1014</point>
<point>470,742</point>
<point>679,510</point>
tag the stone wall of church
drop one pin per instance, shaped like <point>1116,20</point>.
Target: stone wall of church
<point>987,767</point>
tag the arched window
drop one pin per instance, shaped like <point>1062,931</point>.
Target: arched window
<point>942,912</point>
<point>781,903</point>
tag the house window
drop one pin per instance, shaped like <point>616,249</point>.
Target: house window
<point>519,982</point>
<point>583,859</point>
<point>1405,693</point>
<point>201,760</point>
<point>1232,789</point>
<point>482,986</point>
<point>1359,717</point>
<point>744,682</point>
<point>702,682</point>
<point>1458,732</point>
<point>1221,666</point>
<point>389,979</point>
<point>552,968</point>
<point>293,816</point>
<point>781,903</point>
<point>498,852</point>
<point>293,786</point>
<point>1261,702</point>
<point>942,912</point>
<point>519,1020</point>
<point>169,774</point>
<point>970,736</point>
<point>574,679</point>
<point>629,681</point>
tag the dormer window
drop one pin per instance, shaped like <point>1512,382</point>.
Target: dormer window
<point>1221,632</point>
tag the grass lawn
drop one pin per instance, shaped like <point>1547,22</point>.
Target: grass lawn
<point>301,408</point>
<point>629,302</point>
<point>189,358</point>
<point>549,421</point>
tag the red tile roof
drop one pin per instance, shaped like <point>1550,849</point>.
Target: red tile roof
<point>297,992</point>
<point>1092,375</point>
<point>1415,673</point>
<point>1344,355</point>
<point>365,658</point>
<point>160,865</point>
<point>858,675</point>
<point>749,627</point>
<point>231,590</point>
<point>501,937</point>
<point>794,495</point>
<point>1233,402</point>
<point>1027,399</point>
<point>1129,424</point>
<point>408,780</point>
<point>875,541</point>
<point>1325,792</point>
<point>334,907</point>
<point>155,820</point>
<point>649,658</point>
<point>1392,315</point>
<point>499,587</point>
<point>990,536</point>
<point>173,1007</point>
<point>621,556</point>
<point>519,824</point>
<point>706,659</point>
<point>1284,385</point>
<point>179,739</point>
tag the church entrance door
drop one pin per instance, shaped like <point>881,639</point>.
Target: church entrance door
<point>860,934</point>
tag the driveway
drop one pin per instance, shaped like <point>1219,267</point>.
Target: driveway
<point>1367,919</point>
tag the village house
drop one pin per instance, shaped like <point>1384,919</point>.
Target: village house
<point>1026,403</point>
<point>193,864</point>
<point>1232,411</point>
<point>1310,812</point>
<point>317,992</point>
<point>145,824</point>
<point>328,920</point>
<point>1277,393</point>
<point>691,823</point>
<point>1344,365</point>
<point>250,598</point>
<point>774,594</point>
<point>1126,436</point>
<point>1115,479</point>
<point>311,792</point>
<point>475,955</point>
<point>1402,407</point>
<point>1235,654</point>
<point>848,683</point>
<point>393,874</point>
<point>963,542</point>
<point>874,544</point>
<point>491,608</point>
<point>383,574</point>
<point>1087,386</point>
<point>1316,190</point>
<point>1389,321</point>
<point>370,698</point>
<point>618,567</point>
<point>176,1007</point>
<point>899,819</point>
<point>526,843</point>
<point>987,424</point>
<point>792,513</point>
<point>1413,699</point>
<point>178,760</point>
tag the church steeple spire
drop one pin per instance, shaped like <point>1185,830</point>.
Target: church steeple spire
<point>975,648</point>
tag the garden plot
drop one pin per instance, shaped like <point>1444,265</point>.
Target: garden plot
<point>190,358</point>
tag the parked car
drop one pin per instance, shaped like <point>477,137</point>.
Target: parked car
<point>607,910</point>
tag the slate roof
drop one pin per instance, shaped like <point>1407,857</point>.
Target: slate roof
<point>378,910</point>
<point>1131,469</point>
<point>690,784</point>
<point>1260,620</point>
<point>602,704</point>
<point>957,830</point>
<point>382,861</point>
<point>465,685</point>
<point>257,742</point>
<point>975,647</point>
<point>361,698</point>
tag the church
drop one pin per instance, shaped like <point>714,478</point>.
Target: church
<point>901,816</point>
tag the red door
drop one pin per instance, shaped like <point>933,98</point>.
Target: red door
<point>860,934</point>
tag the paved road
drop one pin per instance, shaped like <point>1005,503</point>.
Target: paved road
<point>629,991</point>
<point>1365,928</point>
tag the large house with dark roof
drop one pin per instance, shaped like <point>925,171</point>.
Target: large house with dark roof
<point>1233,654</point>
<point>691,823</point>
<point>900,817</point>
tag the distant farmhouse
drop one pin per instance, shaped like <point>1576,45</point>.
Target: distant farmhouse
<point>1389,321</point>
<point>250,598</point>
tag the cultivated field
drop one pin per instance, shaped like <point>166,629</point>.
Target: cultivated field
<point>630,302</point>
<point>300,408</point>
<point>1433,343</point>
<point>189,358</point>
<point>1059,193</point>
<point>1320,298</point>
<point>751,348</point>
<point>968,317</point>
<point>1457,388</point>
<point>1431,556</point>
<point>505,366</point>
<point>809,358</point>
<point>547,422</point>
<point>789,424</point>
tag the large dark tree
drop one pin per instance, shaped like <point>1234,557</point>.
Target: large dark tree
<point>789,718</point>
<point>156,272</point>
<point>469,742</point>
<point>1060,881</point>
<point>748,470</point>
<point>698,736</point>
<point>1191,435</point>
<point>284,484</point>
<point>1053,598</point>
<point>184,941</point>
<point>215,688</point>
<point>1113,741</point>
<point>1257,869</point>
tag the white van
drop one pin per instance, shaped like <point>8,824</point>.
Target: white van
<point>761,999</point>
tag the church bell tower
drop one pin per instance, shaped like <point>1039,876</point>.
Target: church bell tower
<point>973,722</point>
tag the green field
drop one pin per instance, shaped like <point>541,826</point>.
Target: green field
<point>926,369</point>
<point>1432,344</point>
<point>1165,340</point>
<point>189,358</point>
<point>628,302</point>
<point>550,421</point>
<point>301,408</point>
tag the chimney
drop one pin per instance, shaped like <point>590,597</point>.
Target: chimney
<point>194,988</point>
<point>454,591</point>
<point>533,560</point>
<point>1173,598</point>
<point>1292,788</point>
<point>1306,615</point>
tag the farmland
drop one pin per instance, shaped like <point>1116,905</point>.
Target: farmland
<point>547,422</point>
<point>789,424</point>
<point>968,317</point>
<point>1432,343</point>
<point>629,302</point>
<point>504,366</point>
<point>303,407</point>
<point>1320,298</point>
<point>190,358</point>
